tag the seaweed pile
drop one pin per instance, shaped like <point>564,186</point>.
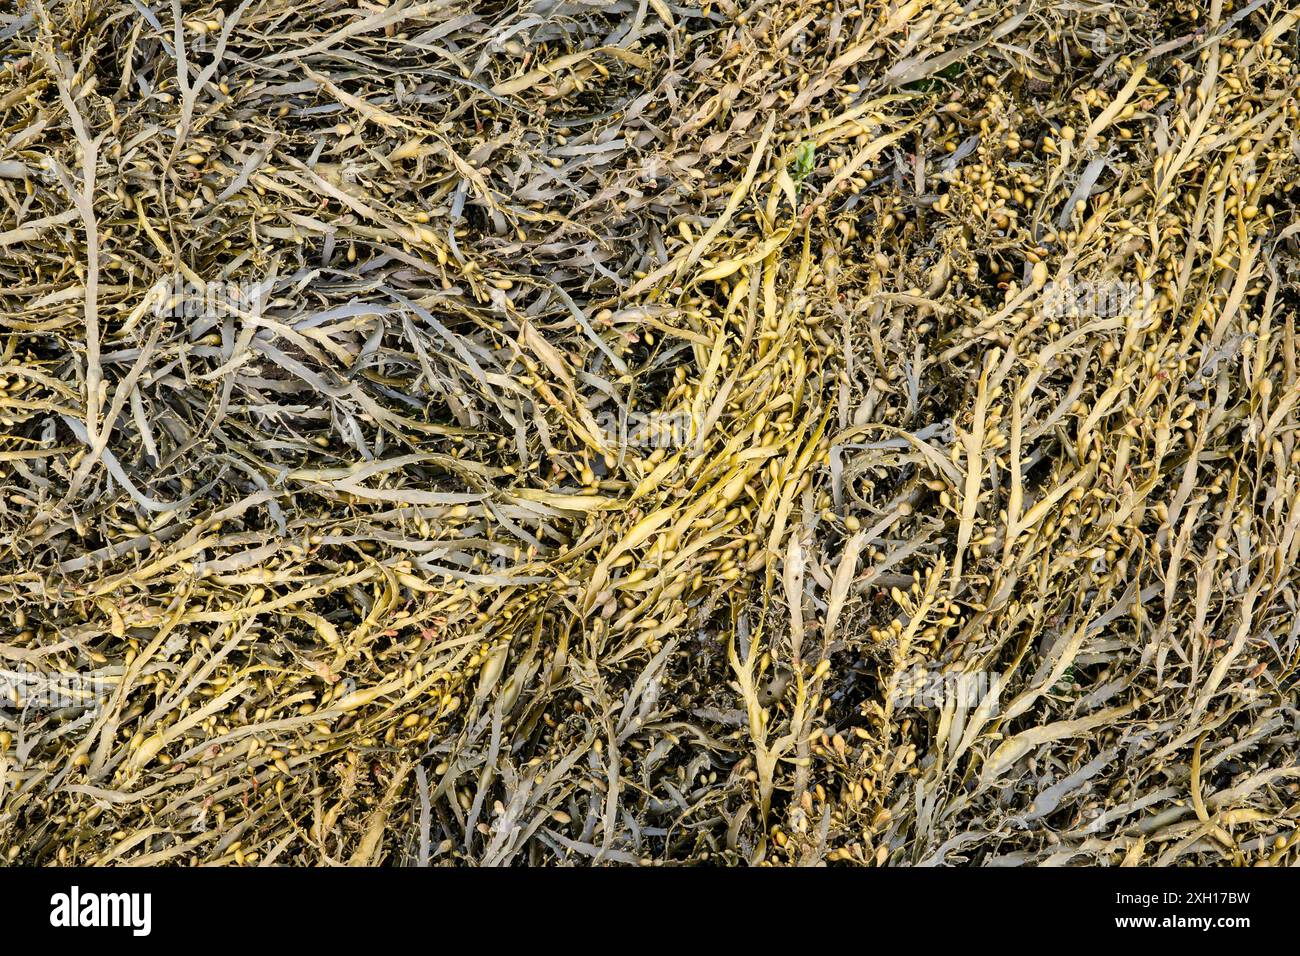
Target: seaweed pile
<point>566,432</point>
